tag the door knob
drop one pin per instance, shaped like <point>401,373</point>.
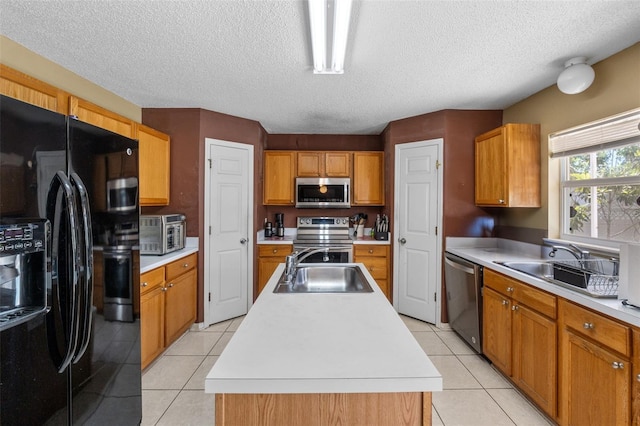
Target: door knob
<point>402,240</point>
<point>243,241</point>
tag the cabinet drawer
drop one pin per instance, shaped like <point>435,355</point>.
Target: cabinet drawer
<point>538,300</point>
<point>377,266</point>
<point>370,250</point>
<point>275,250</point>
<point>610,333</point>
<point>181,266</point>
<point>498,282</point>
<point>150,280</point>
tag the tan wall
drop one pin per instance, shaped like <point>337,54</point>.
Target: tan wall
<point>20,58</point>
<point>616,89</point>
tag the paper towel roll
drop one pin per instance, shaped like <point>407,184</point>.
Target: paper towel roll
<point>630,273</point>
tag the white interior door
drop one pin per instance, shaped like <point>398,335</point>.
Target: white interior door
<point>417,217</point>
<point>228,245</point>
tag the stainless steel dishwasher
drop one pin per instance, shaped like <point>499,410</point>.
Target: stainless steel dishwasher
<point>463,281</point>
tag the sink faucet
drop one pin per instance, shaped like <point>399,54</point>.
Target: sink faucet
<point>293,259</point>
<point>576,251</point>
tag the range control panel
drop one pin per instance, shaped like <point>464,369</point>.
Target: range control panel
<point>25,237</point>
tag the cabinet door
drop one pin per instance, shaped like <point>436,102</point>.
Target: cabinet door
<point>152,321</point>
<point>368,178</point>
<point>491,169</point>
<point>100,117</point>
<point>154,173</point>
<point>279,175</point>
<point>376,259</point>
<point>337,164</point>
<point>269,257</point>
<point>535,356</point>
<point>310,164</point>
<point>180,307</point>
<point>635,378</point>
<point>496,326</point>
<point>595,384</point>
<point>32,91</point>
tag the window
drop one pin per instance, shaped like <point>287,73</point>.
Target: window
<point>600,181</point>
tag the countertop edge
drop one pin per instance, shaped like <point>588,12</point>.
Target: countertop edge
<point>149,263</point>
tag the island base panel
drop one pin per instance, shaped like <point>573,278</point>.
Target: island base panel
<point>407,408</point>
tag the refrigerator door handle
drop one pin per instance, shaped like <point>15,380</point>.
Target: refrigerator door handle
<point>85,293</point>
<point>67,314</point>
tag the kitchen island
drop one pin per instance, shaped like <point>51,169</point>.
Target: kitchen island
<point>318,359</point>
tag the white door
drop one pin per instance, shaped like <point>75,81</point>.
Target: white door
<point>417,218</point>
<point>228,224</point>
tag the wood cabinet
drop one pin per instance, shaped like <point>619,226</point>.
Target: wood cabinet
<point>376,259</point>
<point>519,336</point>
<point>101,117</point>
<point>635,378</point>
<point>368,178</point>
<point>324,164</point>
<point>20,86</point>
<point>595,368</point>
<point>168,297</point>
<point>152,315</point>
<point>507,166</point>
<point>269,257</point>
<point>279,177</point>
<point>154,173</point>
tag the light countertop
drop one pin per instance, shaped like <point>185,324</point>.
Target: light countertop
<point>322,343</point>
<point>147,263</point>
<point>487,251</point>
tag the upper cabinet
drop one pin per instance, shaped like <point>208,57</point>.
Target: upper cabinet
<point>368,178</point>
<point>279,177</point>
<point>507,161</point>
<point>100,117</point>
<point>30,90</point>
<point>154,154</point>
<point>324,164</point>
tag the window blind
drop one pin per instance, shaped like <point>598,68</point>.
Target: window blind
<point>617,130</point>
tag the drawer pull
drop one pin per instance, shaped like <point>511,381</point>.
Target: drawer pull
<point>275,251</point>
<point>617,365</point>
<point>505,302</point>
<point>144,284</point>
<point>186,265</point>
<point>370,250</point>
<point>170,285</point>
<point>588,326</point>
<point>510,289</point>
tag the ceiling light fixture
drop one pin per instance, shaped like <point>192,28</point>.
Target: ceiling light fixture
<point>576,77</point>
<point>329,24</point>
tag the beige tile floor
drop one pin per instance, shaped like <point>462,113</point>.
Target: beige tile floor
<point>474,393</point>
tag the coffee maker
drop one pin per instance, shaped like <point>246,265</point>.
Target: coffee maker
<point>279,224</point>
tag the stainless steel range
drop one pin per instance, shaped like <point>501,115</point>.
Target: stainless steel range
<point>318,233</point>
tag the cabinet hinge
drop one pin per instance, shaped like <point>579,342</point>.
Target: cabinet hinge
<point>435,296</point>
<point>209,230</point>
<point>210,162</point>
<point>436,230</point>
<point>438,164</point>
<point>209,297</point>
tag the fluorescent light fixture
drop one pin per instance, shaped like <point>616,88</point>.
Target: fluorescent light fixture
<point>329,22</point>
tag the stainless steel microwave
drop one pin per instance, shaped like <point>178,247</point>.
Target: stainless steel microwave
<point>162,234</point>
<point>323,192</point>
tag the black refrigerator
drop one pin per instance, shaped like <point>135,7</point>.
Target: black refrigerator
<point>69,264</point>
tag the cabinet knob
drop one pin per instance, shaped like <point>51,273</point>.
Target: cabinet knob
<point>588,326</point>
<point>617,365</point>
<point>515,307</point>
<point>510,289</point>
<point>170,285</point>
<point>164,289</point>
<point>501,202</point>
<point>505,302</point>
<point>370,251</point>
<point>638,377</point>
<point>275,251</point>
<point>144,284</point>
<point>186,265</point>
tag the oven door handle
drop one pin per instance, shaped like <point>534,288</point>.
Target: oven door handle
<point>66,317</point>
<point>85,296</point>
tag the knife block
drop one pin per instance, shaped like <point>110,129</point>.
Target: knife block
<point>381,236</point>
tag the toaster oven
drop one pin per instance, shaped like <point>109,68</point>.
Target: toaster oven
<point>162,234</point>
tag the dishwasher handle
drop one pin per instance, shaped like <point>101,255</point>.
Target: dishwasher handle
<point>459,266</point>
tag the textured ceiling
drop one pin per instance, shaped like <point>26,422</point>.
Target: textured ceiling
<point>252,59</point>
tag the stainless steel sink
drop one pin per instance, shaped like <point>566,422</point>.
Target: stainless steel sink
<point>325,279</point>
<point>579,280</point>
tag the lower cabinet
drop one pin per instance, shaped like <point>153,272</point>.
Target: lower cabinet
<point>519,336</point>
<point>269,257</point>
<point>167,305</point>
<point>635,389</point>
<point>595,369</point>
<point>376,259</point>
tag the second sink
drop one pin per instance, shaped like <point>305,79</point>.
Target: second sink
<point>325,279</point>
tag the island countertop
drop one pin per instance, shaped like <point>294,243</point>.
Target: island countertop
<point>322,343</point>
